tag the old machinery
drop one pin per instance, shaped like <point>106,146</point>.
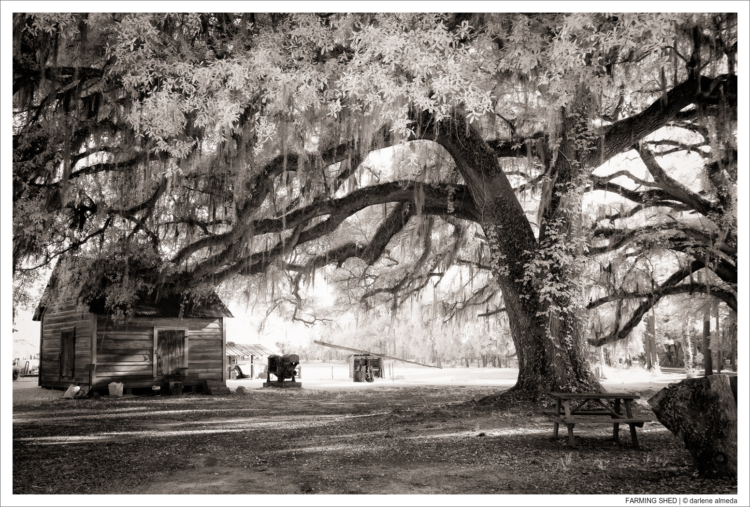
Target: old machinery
<point>283,368</point>
<point>366,367</point>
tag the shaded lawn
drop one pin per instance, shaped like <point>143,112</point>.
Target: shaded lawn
<point>385,440</point>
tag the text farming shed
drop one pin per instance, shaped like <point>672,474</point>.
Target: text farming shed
<point>163,337</point>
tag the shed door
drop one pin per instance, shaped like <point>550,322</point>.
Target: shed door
<point>171,351</point>
<point>68,353</point>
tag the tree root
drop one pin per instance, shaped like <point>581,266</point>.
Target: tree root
<point>514,397</point>
<point>517,395</point>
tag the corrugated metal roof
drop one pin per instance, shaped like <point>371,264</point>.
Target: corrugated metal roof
<point>242,349</point>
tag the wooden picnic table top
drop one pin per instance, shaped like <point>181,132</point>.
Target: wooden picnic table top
<point>593,396</point>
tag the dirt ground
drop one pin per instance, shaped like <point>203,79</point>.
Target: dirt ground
<point>378,439</point>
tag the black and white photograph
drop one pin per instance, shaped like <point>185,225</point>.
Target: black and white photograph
<point>376,252</point>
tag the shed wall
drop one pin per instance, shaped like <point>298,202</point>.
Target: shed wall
<point>125,350</point>
<point>64,317</point>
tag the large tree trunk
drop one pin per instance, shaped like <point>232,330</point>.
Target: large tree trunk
<point>687,347</point>
<point>703,412</point>
<point>720,336</point>
<point>548,333</point>
<point>647,342</point>
<point>652,353</point>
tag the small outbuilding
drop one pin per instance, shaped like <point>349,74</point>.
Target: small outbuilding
<point>248,360</point>
<point>164,337</point>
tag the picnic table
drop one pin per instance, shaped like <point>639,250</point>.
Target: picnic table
<point>601,413</point>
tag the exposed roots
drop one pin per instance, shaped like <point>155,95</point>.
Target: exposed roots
<point>527,395</point>
<point>515,396</point>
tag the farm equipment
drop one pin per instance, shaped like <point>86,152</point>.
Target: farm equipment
<point>365,366</point>
<point>283,368</point>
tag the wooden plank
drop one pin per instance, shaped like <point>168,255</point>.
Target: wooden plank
<point>205,364</point>
<point>223,350</point>
<point>50,366</point>
<point>214,334</point>
<point>55,333</point>
<point>140,373</point>
<point>139,368</point>
<point>58,384</point>
<point>191,324</point>
<point>594,396</point>
<point>598,420</point>
<point>209,353</point>
<point>134,377</point>
<point>51,343</point>
<point>124,352</point>
<point>64,308</point>
<point>120,358</point>
<point>54,313</point>
<point>207,335</point>
<point>80,360</point>
<point>203,357</point>
<point>41,352</point>
<point>616,427</point>
<point>124,336</point>
<point>206,347</point>
<point>125,345</point>
<point>67,317</point>
<point>213,340</point>
<point>56,326</point>
<point>92,345</point>
<point>125,363</point>
<point>83,331</point>
<point>125,332</point>
<point>629,414</point>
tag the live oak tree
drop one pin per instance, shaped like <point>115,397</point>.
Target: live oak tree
<point>190,150</point>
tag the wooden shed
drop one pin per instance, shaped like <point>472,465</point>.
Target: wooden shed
<point>165,338</point>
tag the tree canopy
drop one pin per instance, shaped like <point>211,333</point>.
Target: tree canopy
<point>220,148</point>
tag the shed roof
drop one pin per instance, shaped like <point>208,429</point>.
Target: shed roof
<point>255,349</point>
<point>163,303</point>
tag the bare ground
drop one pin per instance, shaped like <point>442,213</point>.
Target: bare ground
<point>383,440</point>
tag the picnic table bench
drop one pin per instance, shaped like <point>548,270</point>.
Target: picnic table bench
<point>601,413</point>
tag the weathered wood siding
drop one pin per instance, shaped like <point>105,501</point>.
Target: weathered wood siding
<point>64,317</point>
<point>125,352</point>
